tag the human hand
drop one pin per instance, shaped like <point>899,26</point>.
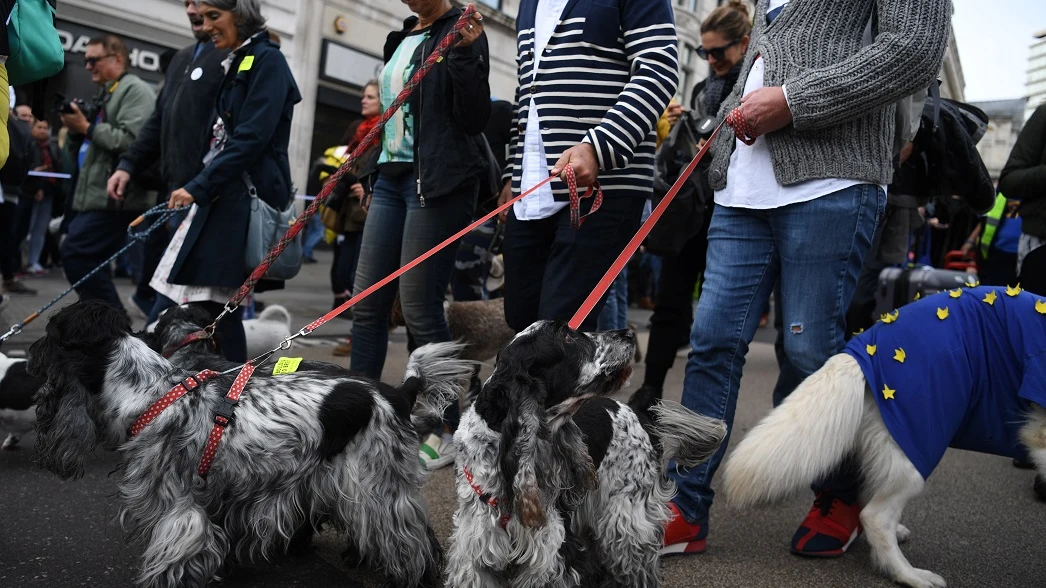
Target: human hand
<point>357,190</point>
<point>117,184</point>
<point>936,224</point>
<point>673,113</point>
<point>179,198</point>
<point>582,158</point>
<point>967,247</point>
<point>39,196</point>
<point>505,196</point>
<point>906,152</point>
<point>75,121</point>
<point>473,30</point>
<point>766,110</point>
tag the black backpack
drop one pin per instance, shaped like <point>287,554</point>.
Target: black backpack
<point>685,215</point>
<point>19,159</point>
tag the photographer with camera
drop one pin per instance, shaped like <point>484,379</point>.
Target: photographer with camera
<point>98,229</point>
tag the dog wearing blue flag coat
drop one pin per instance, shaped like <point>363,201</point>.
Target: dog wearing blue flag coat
<point>965,368</point>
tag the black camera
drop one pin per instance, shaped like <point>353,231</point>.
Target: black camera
<point>64,106</point>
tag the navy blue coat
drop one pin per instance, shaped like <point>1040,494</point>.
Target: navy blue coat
<point>256,101</point>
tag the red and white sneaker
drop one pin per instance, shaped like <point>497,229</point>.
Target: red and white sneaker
<point>683,538</point>
<point>829,528</point>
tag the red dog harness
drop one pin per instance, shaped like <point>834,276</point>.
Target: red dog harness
<point>492,501</point>
<point>223,416</point>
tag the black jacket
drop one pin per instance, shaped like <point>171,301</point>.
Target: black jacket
<point>256,101</point>
<point>1024,176</point>
<point>179,130</point>
<point>454,104</point>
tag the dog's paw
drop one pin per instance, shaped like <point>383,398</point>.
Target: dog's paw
<point>917,578</point>
<point>903,533</point>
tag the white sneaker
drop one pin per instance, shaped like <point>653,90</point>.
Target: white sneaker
<point>437,452</point>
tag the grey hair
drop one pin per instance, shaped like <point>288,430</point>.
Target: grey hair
<point>247,13</point>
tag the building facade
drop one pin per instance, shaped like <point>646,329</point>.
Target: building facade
<point>1005,120</point>
<point>1035,87</point>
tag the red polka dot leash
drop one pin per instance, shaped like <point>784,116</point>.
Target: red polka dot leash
<point>742,128</point>
<point>576,218</point>
<point>223,417</point>
<point>189,384</point>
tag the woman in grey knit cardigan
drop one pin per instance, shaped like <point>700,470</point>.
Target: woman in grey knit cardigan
<point>800,204</point>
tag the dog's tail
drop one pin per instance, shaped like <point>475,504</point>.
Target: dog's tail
<point>801,440</point>
<point>277,313</point>
<point>435,377</point>
<point>683,435</point>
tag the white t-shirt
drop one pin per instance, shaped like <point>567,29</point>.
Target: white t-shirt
<point>540,204</point>
<point>750,181</point>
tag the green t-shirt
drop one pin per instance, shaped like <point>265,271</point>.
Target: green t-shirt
<point>397,143</point>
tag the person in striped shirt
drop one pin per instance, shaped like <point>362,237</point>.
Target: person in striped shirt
<point>594,76</point>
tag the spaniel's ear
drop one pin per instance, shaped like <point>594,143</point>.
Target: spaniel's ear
<point>524,441</point>
<point>65,433</point>
<point>571,468</point>
<point>88,323</point>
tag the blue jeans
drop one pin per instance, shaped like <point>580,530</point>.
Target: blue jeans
<point>614,315</point>
<point>399,229</point>
<point>313,235</point>
<point>748,251</point>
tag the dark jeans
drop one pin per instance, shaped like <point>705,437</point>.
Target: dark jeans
<point>674,307</point>
<point>346,258</point>
<point>550,269</point>
<point>8,246</point>
<point>749,251</point>
<point>151,253</point>
<point>94,236</point>
<point>398,230</point>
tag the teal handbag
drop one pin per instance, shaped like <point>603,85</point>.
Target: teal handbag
<point>36,50</point>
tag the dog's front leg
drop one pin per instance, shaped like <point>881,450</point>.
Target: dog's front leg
<point>185,549</point>
<point>479,552</point>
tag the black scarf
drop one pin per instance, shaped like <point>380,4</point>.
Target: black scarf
<point>717,89</point>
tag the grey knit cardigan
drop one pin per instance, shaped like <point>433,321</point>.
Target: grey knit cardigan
<point>841,94</point>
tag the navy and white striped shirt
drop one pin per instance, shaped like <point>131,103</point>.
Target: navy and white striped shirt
<point>604,78</point>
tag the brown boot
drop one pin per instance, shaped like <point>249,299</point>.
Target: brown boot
<point>344,349</point>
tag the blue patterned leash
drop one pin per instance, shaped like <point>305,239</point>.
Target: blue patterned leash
<point>160,210</point>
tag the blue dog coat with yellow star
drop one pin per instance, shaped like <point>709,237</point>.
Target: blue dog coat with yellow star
<point>957,369</point>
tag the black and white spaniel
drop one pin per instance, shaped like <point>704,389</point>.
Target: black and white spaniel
<point>558,486</point>
<point>312,446</point>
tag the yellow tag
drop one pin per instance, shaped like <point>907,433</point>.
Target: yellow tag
<point>439,59</point>
<point>286,365</point>
<point>246,64</point>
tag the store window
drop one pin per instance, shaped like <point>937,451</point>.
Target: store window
<point>493,3</point>
<point>690,5</point>
<point>687,74</point>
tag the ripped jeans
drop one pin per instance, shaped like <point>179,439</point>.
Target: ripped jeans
<point>817,249</point>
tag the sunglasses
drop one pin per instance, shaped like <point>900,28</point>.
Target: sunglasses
<point>718,52</point>
<point>93,61</point>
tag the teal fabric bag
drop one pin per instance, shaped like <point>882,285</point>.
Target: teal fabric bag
<point>36,50</point>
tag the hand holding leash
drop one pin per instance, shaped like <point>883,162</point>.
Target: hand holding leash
<point>473,30</point>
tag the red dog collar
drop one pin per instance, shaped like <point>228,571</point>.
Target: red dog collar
<point>492,501</point>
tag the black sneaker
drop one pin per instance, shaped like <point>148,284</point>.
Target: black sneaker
<point>16,287</point>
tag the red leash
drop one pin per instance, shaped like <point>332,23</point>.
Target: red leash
<point>637,240</point>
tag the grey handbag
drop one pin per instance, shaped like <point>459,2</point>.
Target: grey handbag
<point>267,226</point>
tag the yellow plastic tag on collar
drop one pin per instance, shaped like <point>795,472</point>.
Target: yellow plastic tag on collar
<point>246,64</point>
<point>286,365</point>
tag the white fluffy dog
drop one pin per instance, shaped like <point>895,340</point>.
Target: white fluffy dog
<point>964,368</point>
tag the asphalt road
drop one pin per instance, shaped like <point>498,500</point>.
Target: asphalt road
<point>978,523</point>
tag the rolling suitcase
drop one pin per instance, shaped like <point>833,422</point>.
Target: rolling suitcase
<point>898,287</point>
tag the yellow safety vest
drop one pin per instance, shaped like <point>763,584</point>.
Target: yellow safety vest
<point>992,220</point>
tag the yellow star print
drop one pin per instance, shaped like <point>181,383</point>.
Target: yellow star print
<point>973,282</point>
<point>870,349</point>
<point>1013,291</point>
<point>955,293</point>
<point>858,332</point>
<point>890,317</point>
<point>887,392</point>
<point>942,313</point>
<point>1040,307</point>
<point>990,298</point>
<point>899,355</point>
<point>918,295</point>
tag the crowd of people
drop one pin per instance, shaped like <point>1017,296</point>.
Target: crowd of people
<point>800,208</point>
